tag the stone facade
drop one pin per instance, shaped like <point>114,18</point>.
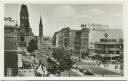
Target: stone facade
<point>107,44</point>
<point>25,32</point>
<point>75,40</point>
<point>10,47</point>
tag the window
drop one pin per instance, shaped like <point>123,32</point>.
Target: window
<point>22,17</point>
<point>117,52</point>
<point>11,43</point>
<point>114,40</point>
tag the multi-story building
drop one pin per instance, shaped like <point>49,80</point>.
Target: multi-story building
<point>78,42</point>
<point>16,37</point>
<point>10,47</point>
<point>106,44</point>
<point>84,41</point>
<point>75,40</point>
<point>72,38</point>
<point>61,38</point>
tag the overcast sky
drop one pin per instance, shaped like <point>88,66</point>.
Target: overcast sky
<point>56,16</point>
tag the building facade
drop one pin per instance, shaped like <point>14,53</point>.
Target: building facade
<point>10,47</point>
<point>84,41</point>
<point>16,37</point>
<point>75,40</point>
<point>25,32</point>
<point>61,38</point>
<point>107,44</point>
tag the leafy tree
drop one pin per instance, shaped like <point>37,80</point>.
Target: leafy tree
<point>63,57</point>
<point>52,66</point>
<point>32,45</point>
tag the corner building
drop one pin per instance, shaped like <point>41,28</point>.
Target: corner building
<point>106,45</point>
<point>10,47</point>
<point>74,40</point>
<point>16,37</point>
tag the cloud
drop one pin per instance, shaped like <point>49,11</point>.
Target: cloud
<point>95,11</point>
<point>117,14</point>
<point>82,16</point>
<point>63,11</point>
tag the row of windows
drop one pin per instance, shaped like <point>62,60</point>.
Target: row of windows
<point>104,52</point>
<point>24,17</point>
<point>107,40</point>
<point>11,32</point>
<point>11,44</point>
<point>108,46</point>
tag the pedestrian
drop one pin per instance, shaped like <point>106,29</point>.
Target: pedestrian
<point>115,67</point>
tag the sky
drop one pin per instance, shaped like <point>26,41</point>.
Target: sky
<point>57,16</point>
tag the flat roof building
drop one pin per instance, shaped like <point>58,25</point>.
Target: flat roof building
<point>107,44</point>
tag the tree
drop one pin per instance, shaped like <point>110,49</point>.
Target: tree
<point>32,45</point>
<point>52,66</point>
<point>63,57</point>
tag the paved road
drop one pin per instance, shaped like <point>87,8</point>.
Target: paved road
<point>72,74</point>
<point>97,70</point>
<point>102,71</point>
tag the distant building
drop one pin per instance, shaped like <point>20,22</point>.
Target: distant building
<point>75,40</point>
<point>106,44</point>
<point>84,41</point>
<point>54,39</point>
<point>40,37</point>
<point>72,38</point>
<point>61,38</point>
<point>78,43</point>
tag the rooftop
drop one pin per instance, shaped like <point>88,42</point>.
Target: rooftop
<point>96,35</point>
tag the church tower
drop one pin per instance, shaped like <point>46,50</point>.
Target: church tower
<point>25,32</point>
<point>24,19</point>
<point>40,38</point>
<point>40,28</point>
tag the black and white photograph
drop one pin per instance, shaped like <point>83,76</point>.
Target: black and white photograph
<point>63,40</point>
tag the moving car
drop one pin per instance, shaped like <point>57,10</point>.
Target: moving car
<point>87,71</point>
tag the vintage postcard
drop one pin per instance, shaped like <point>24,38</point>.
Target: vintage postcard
<point>63,40</point>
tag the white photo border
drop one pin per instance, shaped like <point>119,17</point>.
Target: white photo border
<point>125,29</point>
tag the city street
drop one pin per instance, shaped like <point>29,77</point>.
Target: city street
<point>54,45</point>
<point>103,72</point>
<point>100,71</point>
<point>72,74</point>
